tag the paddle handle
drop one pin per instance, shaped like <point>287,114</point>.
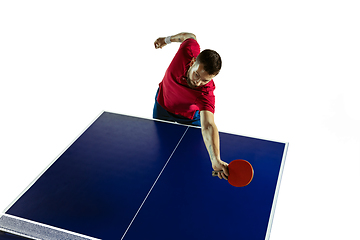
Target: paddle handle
<point>215,173</point>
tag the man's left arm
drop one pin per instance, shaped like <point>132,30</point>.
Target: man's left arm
<point>211,138</point>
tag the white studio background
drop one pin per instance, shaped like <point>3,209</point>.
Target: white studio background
<point>290,73</point>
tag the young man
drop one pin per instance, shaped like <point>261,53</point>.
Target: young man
<point>185,94</point>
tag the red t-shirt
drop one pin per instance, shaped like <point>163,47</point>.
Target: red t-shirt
<point>174,93</point>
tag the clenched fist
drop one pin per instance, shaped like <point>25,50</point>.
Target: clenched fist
<point>159,43</point>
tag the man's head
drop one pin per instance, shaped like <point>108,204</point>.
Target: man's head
<point>204,68</point>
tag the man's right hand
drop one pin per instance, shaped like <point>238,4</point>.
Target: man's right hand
<point>160,43</point>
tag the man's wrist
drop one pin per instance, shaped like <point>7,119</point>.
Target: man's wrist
<point>215,159</point>
<point>168,40</point>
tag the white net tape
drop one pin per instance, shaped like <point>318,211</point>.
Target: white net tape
<point>34,230</point>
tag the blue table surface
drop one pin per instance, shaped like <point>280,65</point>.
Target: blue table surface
<point>98,184</point>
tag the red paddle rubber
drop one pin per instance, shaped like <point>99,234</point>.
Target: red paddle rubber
<point>240,173</point>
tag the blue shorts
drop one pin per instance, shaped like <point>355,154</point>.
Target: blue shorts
<point>160,113</point>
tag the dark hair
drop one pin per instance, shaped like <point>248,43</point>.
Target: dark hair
<point>211,61</point>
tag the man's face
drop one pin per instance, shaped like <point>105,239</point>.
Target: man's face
<point>197,76</point>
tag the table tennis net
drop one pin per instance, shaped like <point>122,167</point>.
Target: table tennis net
<point>34,230</point>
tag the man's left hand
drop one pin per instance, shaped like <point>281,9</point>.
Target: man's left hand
<point>219,165</point>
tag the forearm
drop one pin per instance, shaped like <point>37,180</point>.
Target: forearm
<point>210,135</point>
<point>180,37</point>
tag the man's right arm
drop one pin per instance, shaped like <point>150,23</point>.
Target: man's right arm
<point>180,37</point>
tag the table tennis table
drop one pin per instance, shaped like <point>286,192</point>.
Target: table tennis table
<point>132,178</point>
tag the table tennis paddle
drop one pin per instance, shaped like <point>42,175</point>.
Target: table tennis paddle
<point>240,173</point>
